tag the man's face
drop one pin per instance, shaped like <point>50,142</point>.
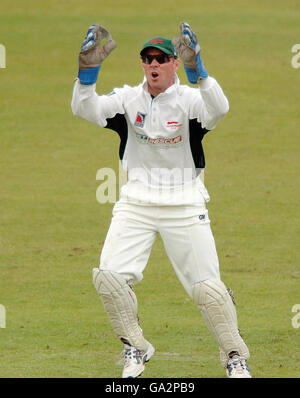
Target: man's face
<point>159,76</point>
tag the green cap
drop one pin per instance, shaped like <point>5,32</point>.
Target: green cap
<point>163,44</point>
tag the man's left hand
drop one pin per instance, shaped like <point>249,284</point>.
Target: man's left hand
<point>189,50</point>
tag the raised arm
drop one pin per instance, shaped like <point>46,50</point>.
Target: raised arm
<point>209,105</point>
<point>86,103</point>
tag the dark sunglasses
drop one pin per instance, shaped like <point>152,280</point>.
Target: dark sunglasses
<point>160,58</point>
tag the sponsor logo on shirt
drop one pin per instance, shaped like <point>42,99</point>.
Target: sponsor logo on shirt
<point>159,141</point>
<point>173,125</point>
<point>140,119</point>
<point>142,138</point>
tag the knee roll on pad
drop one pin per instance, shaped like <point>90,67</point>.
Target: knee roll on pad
<point>120,303</point>
<point>218,311</point>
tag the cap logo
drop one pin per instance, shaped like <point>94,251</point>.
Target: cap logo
<point>163,44</point>
<point>157,40</point>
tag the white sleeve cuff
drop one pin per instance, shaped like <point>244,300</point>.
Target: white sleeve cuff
<point>207,83</point>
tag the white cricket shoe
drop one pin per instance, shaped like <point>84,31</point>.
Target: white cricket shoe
<point>134,360</point>
<point>237,368</point>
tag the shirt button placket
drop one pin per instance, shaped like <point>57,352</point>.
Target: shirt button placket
<point>154,116</point>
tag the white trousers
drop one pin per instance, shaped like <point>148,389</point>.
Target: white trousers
<point>185,232</point>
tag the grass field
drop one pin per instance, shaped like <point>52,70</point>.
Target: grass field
<point>52,228</point>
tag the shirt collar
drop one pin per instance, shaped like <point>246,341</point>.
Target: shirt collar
<point>169,91</point>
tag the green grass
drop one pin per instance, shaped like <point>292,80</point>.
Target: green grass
<point>52,228</point>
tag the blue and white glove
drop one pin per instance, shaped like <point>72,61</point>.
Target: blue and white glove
<point>189,50</point>
<point>92,54</point>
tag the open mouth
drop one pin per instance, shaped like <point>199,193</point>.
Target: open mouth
<point>154,75</point>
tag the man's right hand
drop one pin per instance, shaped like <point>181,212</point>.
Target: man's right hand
<point>92,54</point>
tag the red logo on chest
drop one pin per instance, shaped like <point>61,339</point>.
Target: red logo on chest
<point>140,119</point>
<point>173,125</point>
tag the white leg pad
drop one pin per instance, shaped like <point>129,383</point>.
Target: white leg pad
<point>219,314</point>
<point>120,303</point>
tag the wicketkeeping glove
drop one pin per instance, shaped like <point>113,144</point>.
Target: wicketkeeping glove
<point>92,54</point>
<point>189,50</point>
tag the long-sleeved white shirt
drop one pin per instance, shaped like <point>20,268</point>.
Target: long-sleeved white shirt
<point>160,137</point>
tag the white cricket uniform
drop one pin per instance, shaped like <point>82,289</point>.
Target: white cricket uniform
<point>161,149</point>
